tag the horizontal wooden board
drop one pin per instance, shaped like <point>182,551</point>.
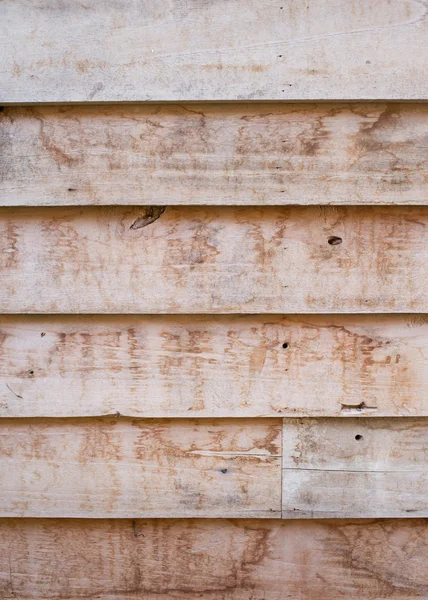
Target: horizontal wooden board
<point>121,50</point>
<point>132,468</point>
<point>355,468</point>
<point>213,559</point>
<point>213,366</point>
<point>215,154</point>
<point>214,260</point>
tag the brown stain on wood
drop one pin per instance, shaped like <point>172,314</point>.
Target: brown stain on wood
<point>213,366</point>
<point>208,154</point>
<point>220,260</point>
<point>233,559</point>
<point>120,466</point>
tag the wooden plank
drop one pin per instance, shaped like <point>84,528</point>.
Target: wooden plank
<point>132,468</point>
<point>57,51</point>
<point>213,366</point>
<point>213,559</point>
<point>215,154</point>
<point>355,468</point>
<point>214,260</point>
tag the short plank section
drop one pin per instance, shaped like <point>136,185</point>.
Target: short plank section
<point>60,51</point>
<point>213,366</point>
<point>214,154</point>
<point>214,260</point>
<point>355,468</point>
<point>213,559</point>
<point>133,468</point>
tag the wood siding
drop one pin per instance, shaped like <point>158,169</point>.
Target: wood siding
<point>258,154</point>
<point>127,468</point>
<point>213,366</point>
<point>214,260</point>
<point>119,50</point>
<point>359,467</point>
<point>213,559</point>
<point>213,300</point>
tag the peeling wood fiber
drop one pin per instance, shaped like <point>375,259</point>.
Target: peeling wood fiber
<point>214,559</point>
<point>214,260</point>
<point>120,50</point>
<point>234,154</point>
<point>213,366</point>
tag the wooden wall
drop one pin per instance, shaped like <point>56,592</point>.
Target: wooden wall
<point>213,300</point>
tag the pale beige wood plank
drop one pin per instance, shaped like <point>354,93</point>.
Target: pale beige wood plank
<point>119,50</point>
<point>215,154</point>
<point>355,468</point>
<point>132,468</point>
<point>213,559</point>
<point>213,366</point>
<point>214,260</point>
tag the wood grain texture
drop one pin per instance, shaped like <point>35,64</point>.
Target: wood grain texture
<point>119,50</point>
<point>235,154</point>
<point>213,366</point>
<point>355,467</point>
<point>213,559</point>
<point>133,468</point>
<point>214,260</point>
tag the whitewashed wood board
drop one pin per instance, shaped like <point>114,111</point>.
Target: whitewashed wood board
<point>134,468</point>
<point>213,559</point>
<point>213,366</point>
<point>214,260</point>
<point>235,154</point>
<point>121,50</point>
<point>355,468</point>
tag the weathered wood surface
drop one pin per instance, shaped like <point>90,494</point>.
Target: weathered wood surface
<point>213,366</point>
<point>355,468</point>
<point>214,560</point>
<point>133,468</point>
<point>214,260</point>
<point>119,50</point>
<point>215,154</point>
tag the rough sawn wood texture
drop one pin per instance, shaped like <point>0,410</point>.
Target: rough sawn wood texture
<point>258,154</point>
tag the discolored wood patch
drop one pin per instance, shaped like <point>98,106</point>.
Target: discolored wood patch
<point>345,468</point>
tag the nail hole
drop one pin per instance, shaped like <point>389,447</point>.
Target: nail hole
<point>334,240</point>
<point>42,334</point>
<point>224,471</point>
<point>31,372</point>
<point>72,190</point>
<point>285,345</point>
<point>358,437</point>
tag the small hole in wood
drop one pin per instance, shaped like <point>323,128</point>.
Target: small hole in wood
<point>224,471</point>
<point>358,437</point>
<point>285,345</point>
<point>42,334</point>
<point>334,240</point>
